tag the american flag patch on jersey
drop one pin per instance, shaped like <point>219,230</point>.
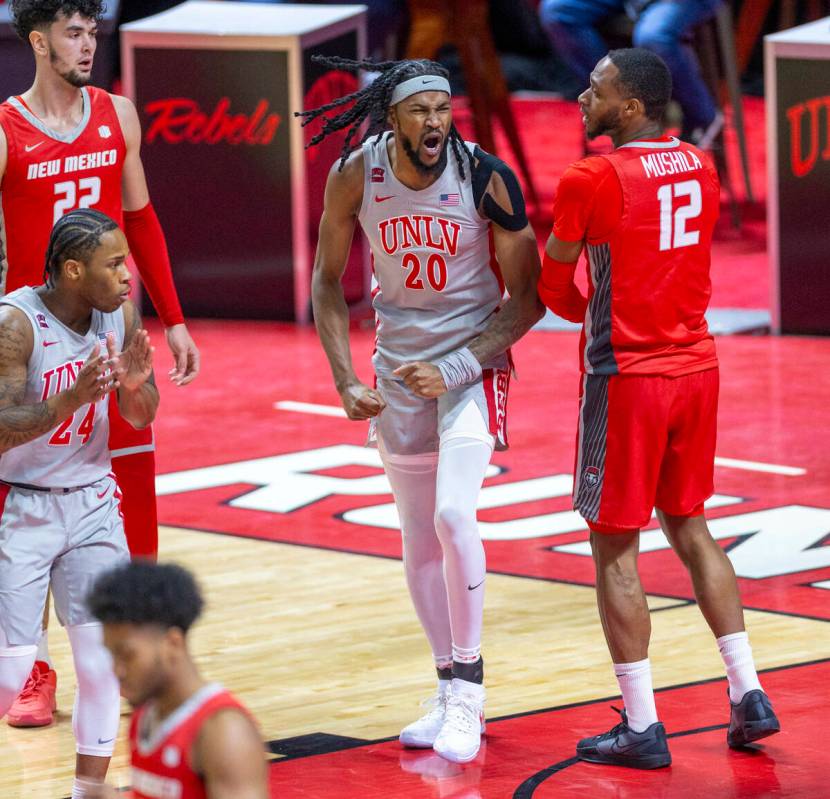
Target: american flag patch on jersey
<point>449,199</point>
<point>41,321</point>
<point>102,337</point>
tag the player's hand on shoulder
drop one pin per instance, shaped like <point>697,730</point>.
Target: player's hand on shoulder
<point>423,378</point>
<point>361,402</point>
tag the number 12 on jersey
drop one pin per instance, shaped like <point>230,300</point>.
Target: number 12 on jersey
<point>673,233</point>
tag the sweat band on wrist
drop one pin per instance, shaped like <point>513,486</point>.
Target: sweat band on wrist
<point>459,368</point>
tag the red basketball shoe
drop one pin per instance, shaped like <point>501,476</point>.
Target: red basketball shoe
<point>36,703</point>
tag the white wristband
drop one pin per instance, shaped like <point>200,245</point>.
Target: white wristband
<point>459,368</point>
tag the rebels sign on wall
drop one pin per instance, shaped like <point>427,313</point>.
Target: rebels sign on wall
<point>216,151</point>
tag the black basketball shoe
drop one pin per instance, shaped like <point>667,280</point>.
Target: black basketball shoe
<point>752,719</point>
<point>621,746</point>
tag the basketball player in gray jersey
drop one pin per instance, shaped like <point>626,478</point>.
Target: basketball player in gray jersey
<point>63,348</point>
<point>447,227</point>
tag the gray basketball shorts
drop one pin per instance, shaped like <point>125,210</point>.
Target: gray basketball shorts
<point>66,538</point>
<point>412,425</point>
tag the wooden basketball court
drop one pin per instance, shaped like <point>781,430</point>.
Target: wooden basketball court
<point>268,494</point>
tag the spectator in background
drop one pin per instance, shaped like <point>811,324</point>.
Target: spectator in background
<point>660,26</point>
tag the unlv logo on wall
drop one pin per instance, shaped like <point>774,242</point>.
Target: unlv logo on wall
<point>805,139</point>
<point>178,119</point>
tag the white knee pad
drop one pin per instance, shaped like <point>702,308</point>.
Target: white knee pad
<point>97,697</point>
<point>15,666</point>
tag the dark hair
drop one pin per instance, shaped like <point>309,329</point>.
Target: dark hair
<point>373,102</point>
<point>75,236</point>
<point>143,592</point>
<point>28,15</point>
<point>644,76</point>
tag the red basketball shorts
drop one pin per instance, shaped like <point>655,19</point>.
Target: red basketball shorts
<point>134,465</point>
<point>644,442</point>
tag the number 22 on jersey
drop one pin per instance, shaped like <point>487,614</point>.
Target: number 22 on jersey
<point>674,218</point>
<point>71,195</point>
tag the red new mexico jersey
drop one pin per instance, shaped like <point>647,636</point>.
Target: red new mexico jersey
<point>161,762</point>
<point>49,174</point>
<point>648,228</point>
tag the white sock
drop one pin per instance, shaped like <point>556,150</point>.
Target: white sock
<point>81,785</point>
<point>462,655</point>
<point>43,648</point>
<point>442,661</point>
<point>740,667</point>
<point>637,693</point>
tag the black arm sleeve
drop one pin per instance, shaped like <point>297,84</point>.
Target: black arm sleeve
<point>487,164</point>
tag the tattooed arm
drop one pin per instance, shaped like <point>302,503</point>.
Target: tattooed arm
<point>21,422</point>
<point>138,397</point>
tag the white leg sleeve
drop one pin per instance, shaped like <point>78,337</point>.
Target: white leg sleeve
<point>97,697</point>
<point>412,478</point>
<point>462,462</point>
<point>15,666</point>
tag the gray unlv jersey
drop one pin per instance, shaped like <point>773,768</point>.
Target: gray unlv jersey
<point>436,282</point>
<point>76,453</point>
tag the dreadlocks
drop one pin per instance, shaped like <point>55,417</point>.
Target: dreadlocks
<point>373,102</point>
<point>74,237</point>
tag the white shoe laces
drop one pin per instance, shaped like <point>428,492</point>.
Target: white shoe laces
<point>463,715</point>
<point>437,704</point>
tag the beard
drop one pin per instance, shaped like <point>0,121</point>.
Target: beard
<point>605,125</point>
<point>71,76</point>
<point>425,169</point>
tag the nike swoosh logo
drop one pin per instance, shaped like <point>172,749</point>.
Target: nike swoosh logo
<point>30,147</point>
<point>108,741</point>
<point>616,749</point>
<point>427,81</point>
<point>473,587</point>
<point>102,495</point>
<point>50,343</point>
<point>383,199</point>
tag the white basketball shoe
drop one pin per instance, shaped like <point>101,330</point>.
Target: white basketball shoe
<point>460,737</point>
<point>421,734</point>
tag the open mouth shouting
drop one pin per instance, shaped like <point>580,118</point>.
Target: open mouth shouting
<point>431,144</point>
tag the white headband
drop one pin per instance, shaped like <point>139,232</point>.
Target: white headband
<point>423,83</point>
